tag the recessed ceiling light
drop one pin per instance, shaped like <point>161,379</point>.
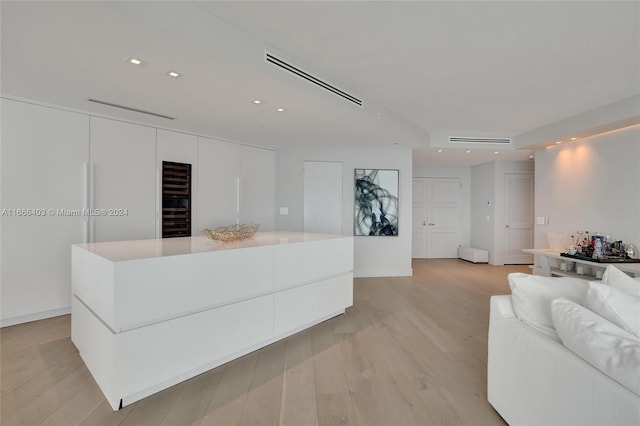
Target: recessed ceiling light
<point>558,142</point>
<point>496,152</point>
<point>280,109</point>
<point>134,61</point>
<point>573,139</point>
<point>257,101</point>
<point>531,156</point>
<point>467,151</point>
<point>174,74</point>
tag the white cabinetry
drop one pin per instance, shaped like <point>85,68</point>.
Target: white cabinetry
<point>218,183</point>
<point>180,148</point>
<point>123,172</point>
<point>235,184</point>
<point>44,154</point>
<point>258,187</point>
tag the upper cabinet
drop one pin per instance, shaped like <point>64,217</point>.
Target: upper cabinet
<point>123,180</point>
<point>218,183</point>
<point>258,187</point>
<point>236,183</point>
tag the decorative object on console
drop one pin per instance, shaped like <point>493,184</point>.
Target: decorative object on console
<point>233,232</point>
<point>598,248</point>
<point>376,202</point>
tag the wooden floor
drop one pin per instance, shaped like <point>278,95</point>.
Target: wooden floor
<point>411,351</point>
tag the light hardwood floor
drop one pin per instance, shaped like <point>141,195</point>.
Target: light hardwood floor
<point>411,351</point>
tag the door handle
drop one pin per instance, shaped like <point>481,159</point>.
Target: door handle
<point>506,226</point>
<point>424,223</point>
<point>431,224</point>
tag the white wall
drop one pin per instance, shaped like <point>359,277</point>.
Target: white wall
<point>483,184</point>
<point>462,173</point>
<point>591,184</point>
<point>373,256</point>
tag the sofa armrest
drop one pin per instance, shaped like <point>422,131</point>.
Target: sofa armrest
<point>501,305</point>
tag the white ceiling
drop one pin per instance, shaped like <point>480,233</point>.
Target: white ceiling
<point>422,69</point>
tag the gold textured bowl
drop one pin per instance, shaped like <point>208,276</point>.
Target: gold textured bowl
<point>233,232</point>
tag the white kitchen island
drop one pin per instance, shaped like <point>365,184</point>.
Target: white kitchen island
<point>148,314</point>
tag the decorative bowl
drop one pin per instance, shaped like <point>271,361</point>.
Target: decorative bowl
<point>233,232</point>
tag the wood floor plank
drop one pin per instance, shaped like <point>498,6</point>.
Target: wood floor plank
<point>336,409</point>
<point>298,406</point>
<point>77,408</point>
<point>229,398</point>
<point>152,410</point>
<point>264,399</point>
<point>411,351</point>
<point>193,400</point>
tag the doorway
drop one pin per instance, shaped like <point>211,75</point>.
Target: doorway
<point>518,217</point>
<point>436,225</point>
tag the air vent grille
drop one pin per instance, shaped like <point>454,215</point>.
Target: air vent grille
<point>499,141</point>
<point>297,71</point>
<point>141,111</point>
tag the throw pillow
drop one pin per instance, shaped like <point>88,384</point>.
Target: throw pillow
<point>618,279</point>
<point>531,296</point>
<point>602,344</point>
<point>619,307</point>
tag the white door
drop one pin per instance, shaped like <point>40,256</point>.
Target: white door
<point>323,197</point>
<point>419,220</point>
<point>518,216</point>
<point>436,209</point>
<point>123,162</point>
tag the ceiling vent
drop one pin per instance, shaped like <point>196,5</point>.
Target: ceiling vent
<point>141,111</point>
<point>497,141</point>
<point>297,71</point>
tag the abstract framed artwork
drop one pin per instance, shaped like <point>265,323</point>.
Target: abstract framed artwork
<point>376,202</point>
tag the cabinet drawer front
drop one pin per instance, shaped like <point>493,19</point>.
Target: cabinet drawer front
<point>312,260</point>
<point>299,307</point>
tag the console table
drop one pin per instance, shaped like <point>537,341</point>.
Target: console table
<point>148,314</point>
<point>547,263</point>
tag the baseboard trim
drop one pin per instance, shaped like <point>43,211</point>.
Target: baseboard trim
<point>21,319</point>
<point>371,273</point>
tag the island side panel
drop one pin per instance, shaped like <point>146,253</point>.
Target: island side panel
<point>96,345</point>
<point>92,281</point>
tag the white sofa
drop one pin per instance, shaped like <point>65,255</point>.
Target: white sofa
<point>535,380</point>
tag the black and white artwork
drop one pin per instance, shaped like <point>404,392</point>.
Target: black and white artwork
<point>376,202</point>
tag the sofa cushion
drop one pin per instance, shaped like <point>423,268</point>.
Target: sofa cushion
<point>532,296</point>
<point>619,280</point>
<point>618,307</point>
<point>601,343</point>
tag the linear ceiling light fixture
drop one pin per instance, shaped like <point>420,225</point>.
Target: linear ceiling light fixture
<point>461,139</point>
<point>297,71</point>
<point>141,111</point>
